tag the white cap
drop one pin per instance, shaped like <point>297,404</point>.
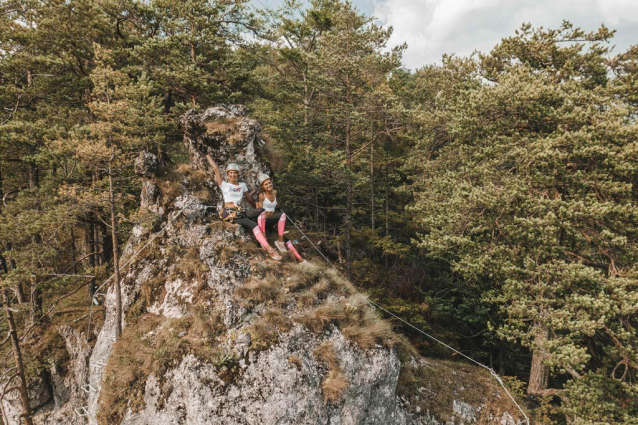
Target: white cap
<point>262,178</point>
<point>232,166</point>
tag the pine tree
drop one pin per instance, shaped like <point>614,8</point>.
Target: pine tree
<point>531,200</point>
<point>125,118</point>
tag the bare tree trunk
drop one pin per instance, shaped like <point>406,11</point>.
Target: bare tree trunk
<point>538,375</point>
<point>17,355</point>
<point>106,244</point>
<point>73,253</point>
<point>116,261</point>
<point>314,192</point>
<point>348,218</point>
<point>91,248</point>
<point>35,290</point>
<point>387,219</point>
<point>18,287</point>
<point>35,305</point>
<point>387,200</point>
<point>98,239</point>
<point>1,188</point>
<point>372,186</point>
<point>167,101</point>
<point>34,176</point>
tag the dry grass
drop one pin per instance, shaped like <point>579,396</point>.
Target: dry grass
<point>129,365</point>
<point>355,318</point>
<point>434,386</point>
<point>311,283</point>
<point>335,383</point>
<point>148,292</point>
<point>224,128</point>
<point>263,290</point>
<point>190,266</point>
<point>332,311</point>
<point>196,180</point>
<point>296,361</point>
<point>270,151</point>
<point>207,324</point>
<point>170,190</point>
<point>306,299</point>
<point>204,195</point>
<point>225,253</point>
<point>333,386</point>
<point>275,317</point>
<point>151,345</point>
<point>327,354</point>
<point>265,333</point>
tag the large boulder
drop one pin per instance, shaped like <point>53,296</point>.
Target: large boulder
<point>216,333</point>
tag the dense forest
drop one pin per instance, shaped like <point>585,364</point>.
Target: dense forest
<point>490,200</point>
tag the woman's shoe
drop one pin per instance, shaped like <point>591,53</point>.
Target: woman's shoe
<point>273,254</point>
<point>281,246</point>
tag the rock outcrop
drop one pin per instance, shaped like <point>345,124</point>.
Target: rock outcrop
<point>216,333</point>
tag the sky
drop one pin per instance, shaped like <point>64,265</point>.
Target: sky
<point>434,27</point>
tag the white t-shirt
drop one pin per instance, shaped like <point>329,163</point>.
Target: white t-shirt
<point>233,193</point>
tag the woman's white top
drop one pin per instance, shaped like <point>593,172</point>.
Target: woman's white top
<point>268,204</point>
<point>233,192</point>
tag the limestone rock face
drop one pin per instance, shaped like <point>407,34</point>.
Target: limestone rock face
<point>145,164</point>
<point>272,391</point>
<point>240,338</point>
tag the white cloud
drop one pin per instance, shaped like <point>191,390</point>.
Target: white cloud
<point>434,27</point>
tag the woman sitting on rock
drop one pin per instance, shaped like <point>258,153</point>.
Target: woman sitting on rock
<point>233,193</point>
<point>268,218</point>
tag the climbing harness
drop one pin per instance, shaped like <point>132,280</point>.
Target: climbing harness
<point>375,305</point>
<point>230,213</point>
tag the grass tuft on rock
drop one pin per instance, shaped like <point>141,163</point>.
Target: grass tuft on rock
<point>356,319</point>
<point>333,386</point>
<point>263,290</point>
<point>335,383</point>
<point>151,345</point>
<point>265,332</point>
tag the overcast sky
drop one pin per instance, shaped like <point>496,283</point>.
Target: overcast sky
<point>434,27</point>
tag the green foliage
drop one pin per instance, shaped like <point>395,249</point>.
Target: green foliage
<point>531,202</point>
<point>490,200</point>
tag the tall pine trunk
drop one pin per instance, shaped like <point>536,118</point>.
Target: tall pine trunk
<point>539,372</point>
<point>116,260</point>
<point>386,258</point>
<point>91,249</point>
<point>15,348</point>
<point>35,289</point>
<point>1,188</point>
<point>17,356</point>
<point>19,290</point>
<point>348,218</point>
<point>372,186</point>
